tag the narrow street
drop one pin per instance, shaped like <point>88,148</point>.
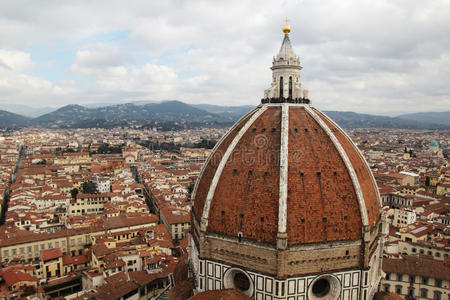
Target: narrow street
<point>13,180</point>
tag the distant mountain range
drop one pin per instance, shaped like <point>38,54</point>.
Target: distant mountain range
<point>348,119</point>
<point>25,110</point>
<point>429,117</point>
<point>125,114</point>
<point>143,113</point>
<point>12,120</point>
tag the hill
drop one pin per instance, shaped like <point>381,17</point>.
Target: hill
<point>349,119</point>
<point>27,111</point>
<point>442,118</point>
<point>125,114</point>
<point>176,114</point>
<point>12,120</point>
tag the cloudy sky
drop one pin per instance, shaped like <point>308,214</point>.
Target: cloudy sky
<point>381,57</point>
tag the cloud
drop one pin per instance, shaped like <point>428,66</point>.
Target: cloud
<point>378,57</point>
<point>100,56</point>
<point>14,60</point>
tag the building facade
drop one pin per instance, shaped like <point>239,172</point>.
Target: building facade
<point>417,277</point>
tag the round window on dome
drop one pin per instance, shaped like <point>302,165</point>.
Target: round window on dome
<point>241,281</point>
<point>321,288</point>
<point>325,287</point>
<point>236,278</point>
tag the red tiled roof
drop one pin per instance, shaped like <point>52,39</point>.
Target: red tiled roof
<point>176,216</point>
<point>387,296</point>
<point>51,254</point>
<point>75,260</point>
<point>12,277</point>
<point>228,294</point>
<point>418,266</point>
<point>112,292</point>
<point>322,201</point>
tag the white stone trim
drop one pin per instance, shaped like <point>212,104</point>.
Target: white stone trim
<point>361,156</point>
<point>348,164</point>
<point>290,104</point>
<point>219,142</point>
<point>349,282</point>
<point>224,160</point>
<point>284,164</point>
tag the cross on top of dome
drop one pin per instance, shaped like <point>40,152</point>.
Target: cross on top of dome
<point>286,27</point>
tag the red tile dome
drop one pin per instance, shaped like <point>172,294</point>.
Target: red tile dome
<point>286,169</point>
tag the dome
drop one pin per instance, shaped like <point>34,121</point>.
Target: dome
<point>286,205</point>
<point>434,143</point>
<point>286,168</point>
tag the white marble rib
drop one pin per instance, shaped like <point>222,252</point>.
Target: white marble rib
<point>224,160</point>
<point>282,206</point>
<point>348,164</point>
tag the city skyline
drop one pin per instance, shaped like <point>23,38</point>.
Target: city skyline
<point>379,58</point>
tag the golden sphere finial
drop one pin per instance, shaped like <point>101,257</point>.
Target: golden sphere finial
<point>286,27</point>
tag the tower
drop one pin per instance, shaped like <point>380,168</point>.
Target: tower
<point>286,207</point>
<point>286,72</point>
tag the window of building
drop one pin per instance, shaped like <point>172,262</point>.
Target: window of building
<point>398,289</point>
<point>56,244</point>
<point>36,248</point>
<point>42,246</point>
<point>424,293</point>
<point>399,277</point>
<point>6,253</point>
<point>425,280</point>
<point>437,295</point>
<point>29,249</point>
<point>388,276</point>
<point>72,242</point>
<point>438,282</point>
<point>22,250</point>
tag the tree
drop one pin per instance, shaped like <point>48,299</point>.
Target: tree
<point>108,149</point>
<point>74,193</point>
<point>89,187</point>
<point>208,144</point>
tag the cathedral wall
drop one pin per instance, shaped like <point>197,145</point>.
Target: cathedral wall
<point>243,254</point>
<point>313,259</point>
<point>349,284</point>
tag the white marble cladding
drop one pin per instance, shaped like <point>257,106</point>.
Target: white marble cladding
<point>352,282</point>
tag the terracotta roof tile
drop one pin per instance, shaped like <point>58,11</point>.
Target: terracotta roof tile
<point>50,254</point>
<point>418,266</point>
<point>228,294</point>
<point>322,202</point>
